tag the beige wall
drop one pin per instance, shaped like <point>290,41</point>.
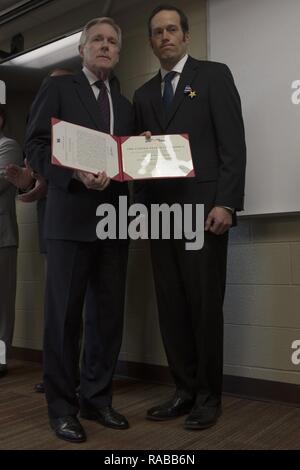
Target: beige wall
<point>263,293</point>
<point>30,281</point>
<point>263,299</point>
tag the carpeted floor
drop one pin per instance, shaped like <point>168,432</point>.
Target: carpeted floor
<point>244,424</point>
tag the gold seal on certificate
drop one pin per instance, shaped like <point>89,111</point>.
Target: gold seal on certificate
<point>122,158</point>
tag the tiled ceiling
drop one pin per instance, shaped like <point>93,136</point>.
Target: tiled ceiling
<point>40,14</point>
<point>4,4</point>
<point>10,9</point>
<point>55,9</point>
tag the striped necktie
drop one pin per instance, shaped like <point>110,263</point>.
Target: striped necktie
<point>103,105</point>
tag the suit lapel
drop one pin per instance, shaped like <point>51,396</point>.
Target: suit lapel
<point>186,78</point>
<point>87,97</point>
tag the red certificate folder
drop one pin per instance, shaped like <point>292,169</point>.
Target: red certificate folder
<point>122,158</point>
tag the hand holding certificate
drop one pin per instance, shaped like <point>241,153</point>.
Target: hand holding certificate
<point>121,158</point>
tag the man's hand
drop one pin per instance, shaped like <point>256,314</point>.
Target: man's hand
<point>98,182</point>
<point>147,134</point>
<point>18,176</point>
<point>38,192</point>
<point>218,221</point>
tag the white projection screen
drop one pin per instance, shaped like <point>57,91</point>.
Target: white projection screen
<point>260,41</point>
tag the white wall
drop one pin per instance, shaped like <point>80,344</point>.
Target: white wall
<point>259,40</point>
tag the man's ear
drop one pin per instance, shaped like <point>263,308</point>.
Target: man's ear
<point>186,37</point>
<point>80,49</point>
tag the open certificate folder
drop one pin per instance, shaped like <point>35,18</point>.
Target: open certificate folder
<point>122,158</point>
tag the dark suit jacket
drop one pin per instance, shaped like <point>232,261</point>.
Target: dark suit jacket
<point>213,120</point>
<point>71,208</point>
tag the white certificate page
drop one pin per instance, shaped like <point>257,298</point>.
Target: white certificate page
<point>162,156</point>
<point>84,149</point>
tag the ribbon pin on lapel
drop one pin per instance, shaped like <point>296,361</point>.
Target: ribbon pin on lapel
<point>188,91</point>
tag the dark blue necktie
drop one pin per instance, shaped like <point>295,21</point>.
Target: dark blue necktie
<point>104,105</point>
<point>168,93</point>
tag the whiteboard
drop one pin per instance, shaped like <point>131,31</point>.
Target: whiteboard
<point>260,41</point>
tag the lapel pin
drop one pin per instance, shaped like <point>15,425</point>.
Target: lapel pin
<point>192,94</point>
<point>187,89</point>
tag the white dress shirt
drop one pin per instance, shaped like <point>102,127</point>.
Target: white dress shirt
<point>178,69</point>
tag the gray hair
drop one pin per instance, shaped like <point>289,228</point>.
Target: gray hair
<point>102,20</point>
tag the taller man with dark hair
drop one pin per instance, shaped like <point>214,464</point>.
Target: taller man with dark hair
<point>79,265</point>
<point>198,98</point>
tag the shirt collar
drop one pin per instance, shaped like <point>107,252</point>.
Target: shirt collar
<point>177,68</point>
<point>92,78</point>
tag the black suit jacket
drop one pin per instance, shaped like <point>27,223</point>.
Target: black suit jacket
<point>213,120</point>
<point>71,208</point>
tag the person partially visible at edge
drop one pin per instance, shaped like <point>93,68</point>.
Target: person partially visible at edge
<point>198,98</point>
<point>80,266</point>
<point>10,153</point>
<point>34,189</point>
<point>33,185</point>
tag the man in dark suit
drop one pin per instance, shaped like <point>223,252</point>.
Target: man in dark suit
<point>79,265</point>
<point>198,98</point>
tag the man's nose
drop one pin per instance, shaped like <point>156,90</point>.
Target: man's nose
<point>165,34</point>
<point>104,44</point>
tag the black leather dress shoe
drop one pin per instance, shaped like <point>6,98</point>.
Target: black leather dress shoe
<point>39,388</point>
<point>68,428</point>
<point>106,416</point>
<point>203,417</point>
<point>173,408</point>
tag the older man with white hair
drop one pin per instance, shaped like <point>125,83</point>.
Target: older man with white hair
<point>80,266</point>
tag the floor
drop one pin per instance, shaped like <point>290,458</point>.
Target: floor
<point>244,424</point>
